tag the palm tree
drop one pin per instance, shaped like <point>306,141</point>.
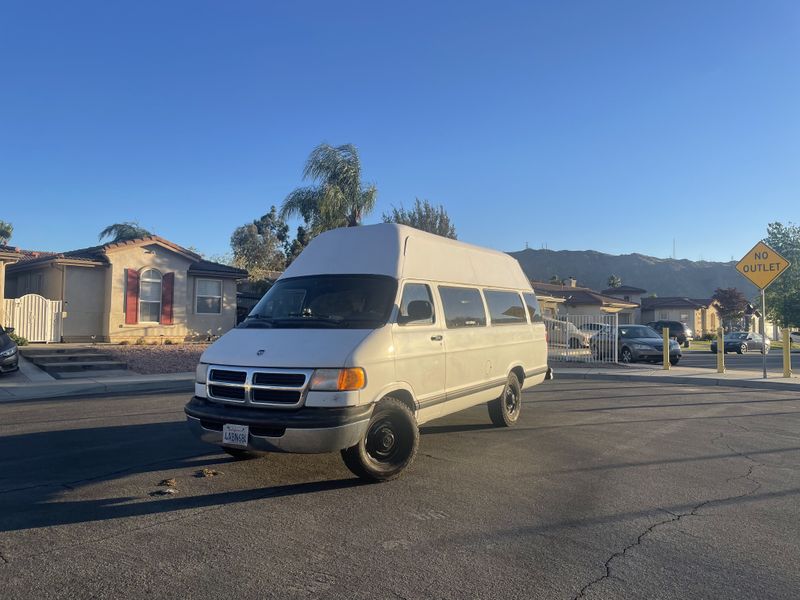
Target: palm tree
<point>6,229</point>
<point>614,281</point>
<point>119,232</point>
<point>339,198</point>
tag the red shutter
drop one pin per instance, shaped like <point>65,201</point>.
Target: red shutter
<point>131,297</point>
<point>167,295</point>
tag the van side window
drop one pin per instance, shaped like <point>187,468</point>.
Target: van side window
<point>505,308</point>
<point>463,307</point>
<point>534,310</point>
<point>416,305</point>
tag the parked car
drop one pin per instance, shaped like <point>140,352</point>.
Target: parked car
<point>371,332</point>
<point>741,342</point>
<point>566,333</point>
<point>594,328</point>
<point>636,343</point>
<point>9,353</point>
<point>794,336</point>
<point>677,330</point>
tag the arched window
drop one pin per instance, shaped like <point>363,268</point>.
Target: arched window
<point>150,296</point>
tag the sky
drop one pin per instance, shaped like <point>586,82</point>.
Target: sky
<point>615,126</point>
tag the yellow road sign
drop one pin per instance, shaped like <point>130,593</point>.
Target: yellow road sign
<point>762,265</point>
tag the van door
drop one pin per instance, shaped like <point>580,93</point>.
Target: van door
<point>419,347</point>
<point>468,347</point>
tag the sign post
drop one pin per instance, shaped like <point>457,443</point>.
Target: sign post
<point>762,265</point>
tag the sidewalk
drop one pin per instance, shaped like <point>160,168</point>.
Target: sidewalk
<point>682,375</point>
<point>22,388</point>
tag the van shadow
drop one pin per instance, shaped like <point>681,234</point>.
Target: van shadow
<point>40,470</point>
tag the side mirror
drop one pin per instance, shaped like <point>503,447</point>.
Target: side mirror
<point>419,310</point>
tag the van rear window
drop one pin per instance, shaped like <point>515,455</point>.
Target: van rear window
<point>505,308</point>
<point>463,307</point>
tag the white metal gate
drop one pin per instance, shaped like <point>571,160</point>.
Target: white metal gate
<point>583,338</point>
<point>34,317</point>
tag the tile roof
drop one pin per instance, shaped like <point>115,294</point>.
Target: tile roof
<point>579,295</point>
<point>98,254</point>
<point>623,289</point>
<point>675,302</point>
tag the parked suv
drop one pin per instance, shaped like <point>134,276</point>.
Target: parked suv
<point>677,330</point>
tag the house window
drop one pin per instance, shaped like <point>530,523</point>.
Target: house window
<point>150,296</point>
<point>208,298</point>
<point>664,315</point>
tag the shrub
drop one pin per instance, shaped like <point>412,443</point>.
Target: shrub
<point>19,341</point>
<point>124,343</point>
<point>168,342</point>
<point>139,342</point>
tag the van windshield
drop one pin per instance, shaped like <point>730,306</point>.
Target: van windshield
<point>325,301</point>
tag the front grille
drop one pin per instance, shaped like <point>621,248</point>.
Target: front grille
<point>296,380</point>
<point>227,392</point>
<point>284,388</point>
<point>228,376</point>
<point>280,396</point>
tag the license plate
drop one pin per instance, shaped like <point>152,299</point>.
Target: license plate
<point>235,435</point>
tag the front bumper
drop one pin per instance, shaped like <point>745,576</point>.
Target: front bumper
<point>307,430</point>
<point>9,363</point>
<point>653,354</point>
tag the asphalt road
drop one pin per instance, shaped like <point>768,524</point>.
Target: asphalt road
<point>749,361</point>
<point>603,491</point>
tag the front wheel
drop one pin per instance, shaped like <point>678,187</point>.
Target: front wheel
<point>674,360</point>
<point>504,411</point>
<point>742,349</point>
<point>389,445</point>
<point>626,355</point>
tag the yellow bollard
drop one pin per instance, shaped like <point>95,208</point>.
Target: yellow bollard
<point>787,352</point>
<point>665,335</point>
<point>720,350</point>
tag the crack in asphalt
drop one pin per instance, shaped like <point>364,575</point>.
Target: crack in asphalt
<point>675,517</point>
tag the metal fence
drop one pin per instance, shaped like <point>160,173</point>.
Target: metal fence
<point>583,338</point>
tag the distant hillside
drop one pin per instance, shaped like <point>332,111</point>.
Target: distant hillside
<point>662,276</point>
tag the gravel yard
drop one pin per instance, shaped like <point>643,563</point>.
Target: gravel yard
<point>152,360</point>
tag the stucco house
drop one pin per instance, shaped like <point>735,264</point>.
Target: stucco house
<point>147,288</point>
<point>8,255</point>
<point>699,314</point>
<point>579,300</point>
<point>628,293</point>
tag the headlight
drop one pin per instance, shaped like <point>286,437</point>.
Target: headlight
<point>338,380</point>
<point>201,373</point>
<point>10,352</point>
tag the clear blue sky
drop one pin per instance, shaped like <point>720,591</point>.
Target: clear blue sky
<point>572,124</point>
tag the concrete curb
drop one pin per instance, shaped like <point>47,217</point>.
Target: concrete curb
<point>138,384</point>
<point>790,385</point>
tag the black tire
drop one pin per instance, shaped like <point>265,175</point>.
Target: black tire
<point>239,453</point>
<point>389,445</point>
<point>686,344</point>
<point>742,349</point>
<point>674,360</point>
<point>504,411</point>
<point>625,355</point>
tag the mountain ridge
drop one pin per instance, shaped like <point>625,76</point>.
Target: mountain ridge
<point>660,276</point>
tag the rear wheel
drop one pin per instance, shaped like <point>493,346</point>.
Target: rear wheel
<point>742,349</point>
<point>389,445</point>
<point>674,360</point>
<point>504,411</point>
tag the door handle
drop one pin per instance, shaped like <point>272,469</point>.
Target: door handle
<point>436,338</point>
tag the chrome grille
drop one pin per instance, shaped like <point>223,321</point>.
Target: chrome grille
<point>282,388</point>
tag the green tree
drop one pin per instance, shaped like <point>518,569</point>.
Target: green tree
<point>614,281</point>
<point>732,305</point>
<point>783,295</point>
<point>6,230</point>
<point>424,216</point>
<point>258,252</point>
<point>555,280</point>
<point>338,198</point>
<point>120,232</point>
<point>298,244</point>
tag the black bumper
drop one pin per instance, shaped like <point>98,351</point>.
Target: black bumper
<point>271,418</point>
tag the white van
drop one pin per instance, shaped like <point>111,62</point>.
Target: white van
<point>369,333</point>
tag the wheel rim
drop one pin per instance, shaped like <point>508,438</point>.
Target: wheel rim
<point>387,443</point>
<point>744,348</point>
<point>626,355</point>
<point>511,401</point>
